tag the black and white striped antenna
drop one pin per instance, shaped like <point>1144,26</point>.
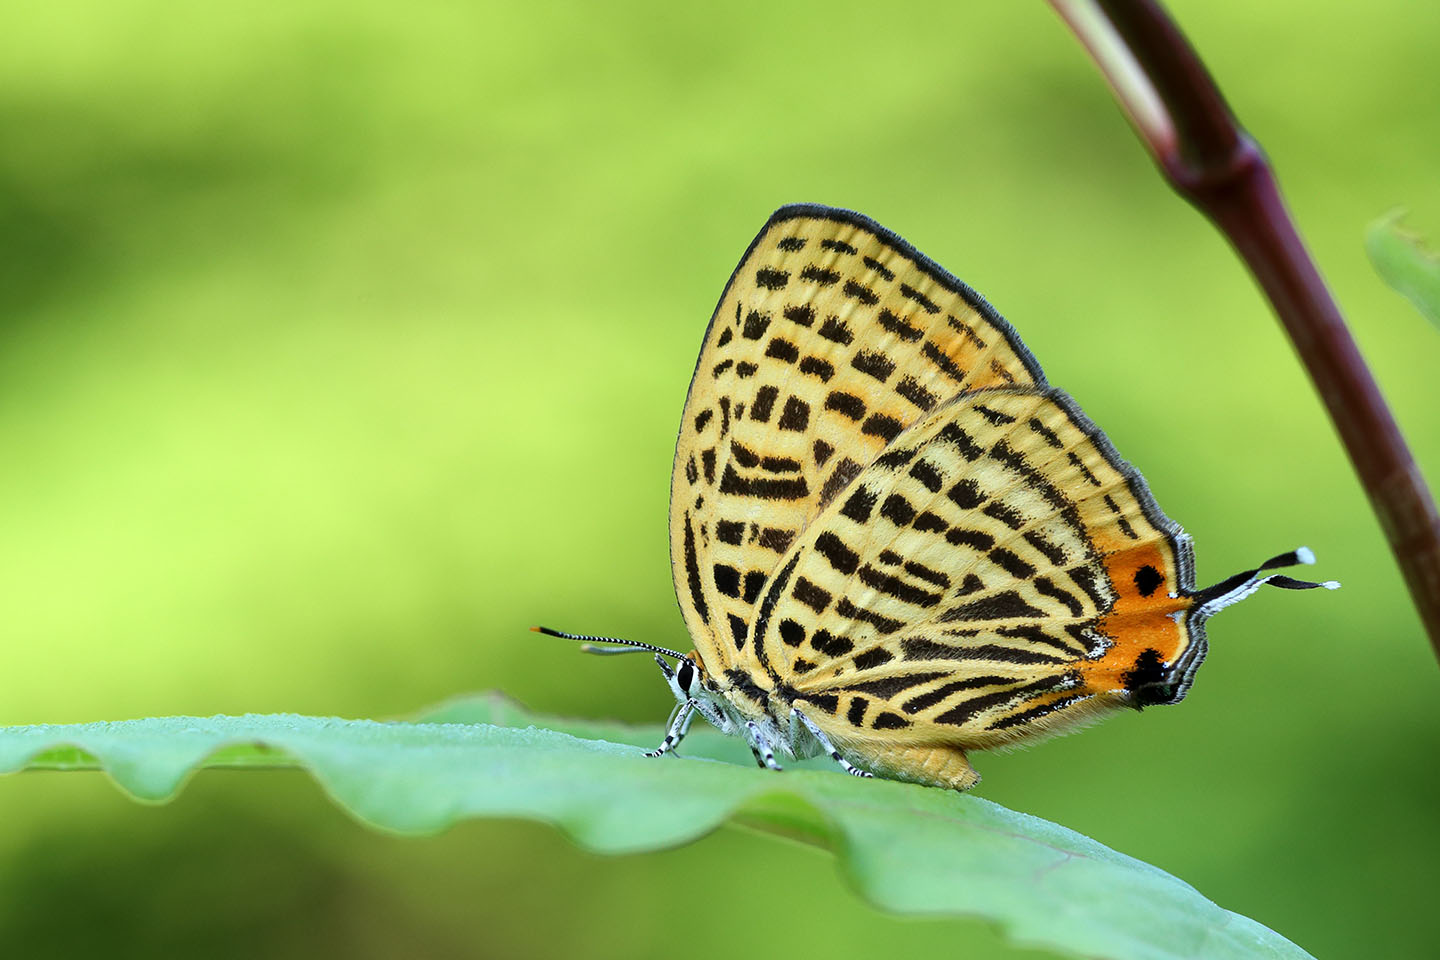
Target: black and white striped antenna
<point>618,645</point>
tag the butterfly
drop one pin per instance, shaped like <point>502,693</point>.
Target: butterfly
<point>893,542</point>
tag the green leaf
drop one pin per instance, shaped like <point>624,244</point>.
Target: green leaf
<point>906,848</point>
<point>1403,262</point>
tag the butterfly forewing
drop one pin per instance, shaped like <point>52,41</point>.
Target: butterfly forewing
<point>832,337</point>
<point>988,575</point>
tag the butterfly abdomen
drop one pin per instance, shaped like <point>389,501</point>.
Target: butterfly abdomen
<point>938,765</point>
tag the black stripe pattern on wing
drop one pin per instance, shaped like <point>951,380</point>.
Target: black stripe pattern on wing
<point>958,575</point>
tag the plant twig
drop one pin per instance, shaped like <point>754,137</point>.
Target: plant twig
<point>1213,163</point>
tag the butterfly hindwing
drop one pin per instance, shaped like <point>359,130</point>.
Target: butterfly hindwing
<point>832,337</point>
<point>993,572</point>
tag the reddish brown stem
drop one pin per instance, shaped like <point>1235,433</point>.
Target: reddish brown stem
<point>1213,163</point>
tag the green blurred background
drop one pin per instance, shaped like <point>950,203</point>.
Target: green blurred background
<point>339,342</point>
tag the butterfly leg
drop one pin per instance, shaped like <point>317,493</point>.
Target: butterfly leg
<point>764,754</point>
<point>678,728</point>
<point>825,744</point>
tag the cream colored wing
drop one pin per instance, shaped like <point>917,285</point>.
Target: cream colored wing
<point>998,571</point>
<point>832,336</point>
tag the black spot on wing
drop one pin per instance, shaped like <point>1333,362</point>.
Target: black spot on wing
<point>889,721</point>
<point>1036,712</point>
<point>1147,580</point>
<point>893,586</point>
<point>819,275</point>
<point>888,687</point>
<point>816,367</point>
<point>727,580</point>
<point>860,504</point>
<point>1005,605</point>
<point>779,349</point>
<point>979,539</point>
<point>861,292</point>
<point>994,416</point>
<point>880,622</point>
<point>916,569</point>
<point>845,471</point>
<point>920,648</point>
<point>837,331</point>
<point>845,404</point>
<point>880,425</point>
<point>898,326</point>
<point>968,709</point>
<point>776,539</point>
<point>763,488</point>
<point>801,313</point>
<point>911,390</point>
<point>829,644</point>
<point>873,364</point>
<point>910,293</point>
<point>833,549</point>
<point>927,473</point>
<point>692,573</point>
<point>815,597</point>
<point>737,630</point>
<point>771,279</point>
<point>897,510</point>
<point>962,441</point>
<point>1047,588</point>
<point>764,403</point>
<point>879,268</point>
<point>895,459</point>
<point>943,361</point>
<point>1045,548</point>
<point>1046,433</point>
<point>873,658</point>
<point>966,494</point>
<point>791,633</point>
<point>856,713</point>
<point>756,323</point>
<point>796,415</point>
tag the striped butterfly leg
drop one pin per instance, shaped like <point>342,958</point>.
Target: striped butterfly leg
<point>679,726</point>
<point>798,719</point>
<point>760,746</point>
<point>679,720</point>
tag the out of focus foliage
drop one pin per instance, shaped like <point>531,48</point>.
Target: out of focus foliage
<point>341,342</point>
<point>1403,261</point>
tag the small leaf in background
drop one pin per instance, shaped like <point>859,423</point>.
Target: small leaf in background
<point>1403,262</point>
<point>906,848</point>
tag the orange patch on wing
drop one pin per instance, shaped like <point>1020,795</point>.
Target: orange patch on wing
<point>1145,615</point>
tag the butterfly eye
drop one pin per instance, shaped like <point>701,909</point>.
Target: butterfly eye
<point>685,675</point>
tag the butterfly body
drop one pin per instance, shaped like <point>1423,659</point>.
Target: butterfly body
<point>892,540</point>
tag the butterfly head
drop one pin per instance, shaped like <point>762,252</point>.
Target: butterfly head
<point>687,679</point>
